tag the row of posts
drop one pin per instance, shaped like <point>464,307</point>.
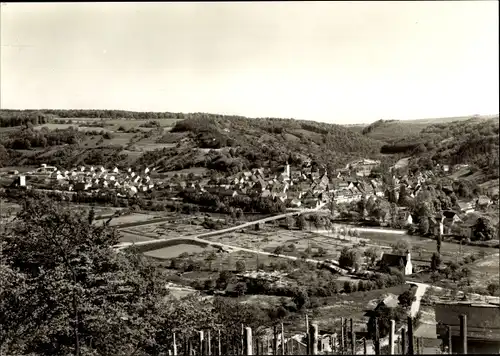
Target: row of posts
<point>347,342</point>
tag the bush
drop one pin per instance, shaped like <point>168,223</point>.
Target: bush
<point>347,287</point>
<point>435,261</point>
<point>406,298</point>
<point>240,266</point>
<point>494,289</point>
<point>380,281</point>
<point>349,258</point>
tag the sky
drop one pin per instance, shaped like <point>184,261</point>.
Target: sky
<point>337,62</point>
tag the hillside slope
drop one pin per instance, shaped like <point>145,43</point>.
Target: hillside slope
<point>259,142</point>
<point>473,142</point>
<point>393,130</point>
<point>197,140</point>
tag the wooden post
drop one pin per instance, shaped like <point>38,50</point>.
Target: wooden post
<point>403,341</point>
<point>365,351</point>
<point>242,339</point>
<point>175,346</point>
<point>201,343</point>
<point>353,343</point>
<point>411,350</point>
<point>248,341</point>
<point>377,338</point>
<point>346,335</point>
<point>342,335</point>
<point>449,340</point>
<point>209,343</point>
<point>463,333</point>
<point>219,348</point>
<point>391,337</point>
<point>313,336</point>
<point>275,341</point>
<point>257,345</point>
<point>352,336</point>
<point>307,335</point>
<point>282,339</point>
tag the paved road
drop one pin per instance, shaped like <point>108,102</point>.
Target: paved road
<point>415,306</point>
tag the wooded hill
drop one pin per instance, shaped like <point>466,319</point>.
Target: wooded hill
<point>225,143</point>
<point>473,142</point>
<point>389,131</point>
<point>260,142</point>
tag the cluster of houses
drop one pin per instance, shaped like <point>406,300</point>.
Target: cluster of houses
<point>302,187</point>
<point>91,178</point>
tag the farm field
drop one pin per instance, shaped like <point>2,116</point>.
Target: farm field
<point>178,227</point>
<point>485,271</point>
<point>175,251</point>
<point>194,170</point>
<point>423,248</point>
<point>132,218</point>
<point>126,237</point>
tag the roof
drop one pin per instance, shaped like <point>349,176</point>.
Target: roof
<point>393,260</point>
<point>389,300</point>
<point>483,200</point>
<point>483,320</point>
<point>449,214</point>
<point>465,205</point>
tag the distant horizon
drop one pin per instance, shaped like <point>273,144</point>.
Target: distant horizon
<point>335,62</point>
<point>259,117</point>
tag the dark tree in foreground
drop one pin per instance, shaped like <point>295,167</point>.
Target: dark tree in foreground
<point>66,291</point>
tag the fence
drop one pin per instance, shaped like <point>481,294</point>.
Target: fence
<point>342,342</point>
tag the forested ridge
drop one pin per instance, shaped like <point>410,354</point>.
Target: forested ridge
<point>473,142</point>
<point>257,141</point>
<point>228,143</point>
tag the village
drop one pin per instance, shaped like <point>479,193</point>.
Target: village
<point>301,187</point>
